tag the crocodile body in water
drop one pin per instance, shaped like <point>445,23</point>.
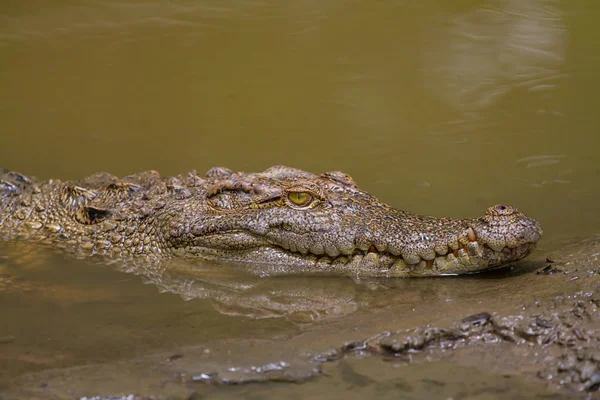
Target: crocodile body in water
<point>280,217</point>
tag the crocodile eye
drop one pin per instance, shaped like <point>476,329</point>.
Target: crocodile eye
<point>301,199</point>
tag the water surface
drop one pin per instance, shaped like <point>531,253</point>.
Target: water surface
<point>435,108</point>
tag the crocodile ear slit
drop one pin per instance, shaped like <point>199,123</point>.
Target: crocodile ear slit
<point>91,215</point>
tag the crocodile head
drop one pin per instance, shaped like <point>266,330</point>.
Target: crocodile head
<point>288,217</point>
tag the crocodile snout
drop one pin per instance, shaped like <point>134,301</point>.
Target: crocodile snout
<point>503,227</point>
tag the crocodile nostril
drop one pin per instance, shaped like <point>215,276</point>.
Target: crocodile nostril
<point>501,209</point>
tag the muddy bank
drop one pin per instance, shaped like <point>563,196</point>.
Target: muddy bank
<point>556,339</point>
<point>546,347</point>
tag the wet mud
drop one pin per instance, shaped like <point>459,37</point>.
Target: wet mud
<point>556,339</point>
<point>547,346</point>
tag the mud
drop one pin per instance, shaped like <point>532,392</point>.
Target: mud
<point>555,339</point>
<point>560,340</point>
<point>547,347</point>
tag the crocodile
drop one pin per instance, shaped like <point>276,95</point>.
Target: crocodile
<point>283,217</point>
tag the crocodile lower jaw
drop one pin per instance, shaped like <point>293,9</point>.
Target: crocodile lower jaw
<point>470,258</point>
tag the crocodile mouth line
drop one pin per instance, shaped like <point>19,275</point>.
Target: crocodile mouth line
<point>469,249</point>
<point>390,260</point>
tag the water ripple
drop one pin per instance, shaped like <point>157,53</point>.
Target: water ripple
<point>540,160</point>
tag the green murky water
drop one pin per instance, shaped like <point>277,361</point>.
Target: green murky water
<point>436,108</point>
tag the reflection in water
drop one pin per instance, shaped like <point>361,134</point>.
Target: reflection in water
<point>306,298</point>
<point>489,51</point>
<point>301,299</point>
<point>232,290</point>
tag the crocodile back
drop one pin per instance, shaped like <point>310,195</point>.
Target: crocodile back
<point>14,187</point>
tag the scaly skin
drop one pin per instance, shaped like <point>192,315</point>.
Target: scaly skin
<point>283,218</point>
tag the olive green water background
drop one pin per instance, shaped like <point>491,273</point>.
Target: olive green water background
<point>437,107</point>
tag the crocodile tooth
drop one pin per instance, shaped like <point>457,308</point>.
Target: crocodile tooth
<point>463,239</point>
<point>471,235</point>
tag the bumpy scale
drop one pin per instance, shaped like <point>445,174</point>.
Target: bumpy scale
<point>280,217</point>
